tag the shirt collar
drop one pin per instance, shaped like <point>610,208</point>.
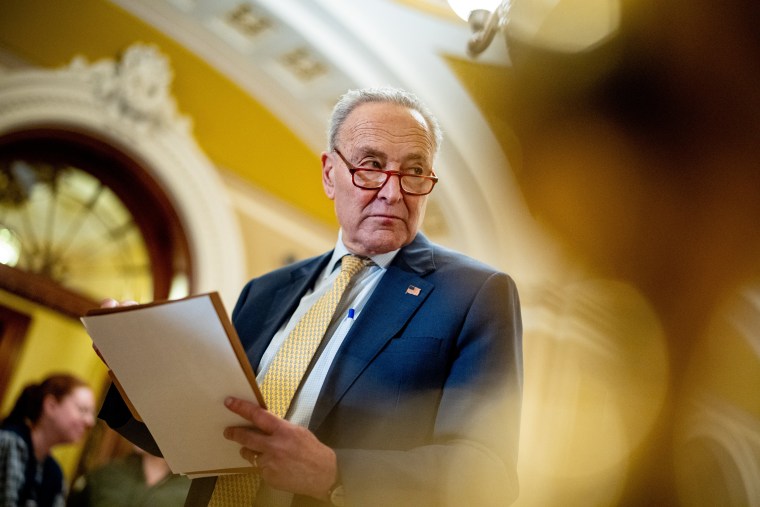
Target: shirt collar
<point>382,260</point>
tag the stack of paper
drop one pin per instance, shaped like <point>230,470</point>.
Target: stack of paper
<point>177,361</point>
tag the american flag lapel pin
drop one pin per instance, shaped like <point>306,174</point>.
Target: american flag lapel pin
<point>414,291</point>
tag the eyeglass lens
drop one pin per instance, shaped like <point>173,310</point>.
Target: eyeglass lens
<point>370,179</point>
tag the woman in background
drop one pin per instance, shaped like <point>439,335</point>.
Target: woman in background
<point>59,410</point>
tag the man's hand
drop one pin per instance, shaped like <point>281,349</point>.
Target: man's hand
<point>288,457</point>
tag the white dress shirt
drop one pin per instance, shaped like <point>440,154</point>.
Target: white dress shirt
<point>352,302</point>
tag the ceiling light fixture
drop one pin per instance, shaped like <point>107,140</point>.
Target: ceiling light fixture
<point>486,18</point>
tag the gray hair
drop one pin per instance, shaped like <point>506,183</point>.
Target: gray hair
<point>353,98</point>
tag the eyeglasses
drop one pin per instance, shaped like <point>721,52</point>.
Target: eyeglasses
<point>373,179</point>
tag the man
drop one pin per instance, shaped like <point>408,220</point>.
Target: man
<point>413,396</point>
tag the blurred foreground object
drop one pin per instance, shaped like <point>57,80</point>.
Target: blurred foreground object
<point>561,25</point>
<point>641,155</point>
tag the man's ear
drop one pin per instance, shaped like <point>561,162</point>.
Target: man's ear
<point>328,175</point>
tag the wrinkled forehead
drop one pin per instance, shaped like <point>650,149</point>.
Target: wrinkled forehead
<point>384,124</point>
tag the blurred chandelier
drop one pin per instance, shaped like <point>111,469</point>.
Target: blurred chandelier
<point>486,18</point>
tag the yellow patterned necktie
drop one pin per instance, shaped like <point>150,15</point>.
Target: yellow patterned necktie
<point>285,374</point>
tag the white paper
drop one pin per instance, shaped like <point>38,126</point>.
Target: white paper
<point>177,365</point>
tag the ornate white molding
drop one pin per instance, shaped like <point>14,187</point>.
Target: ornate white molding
<point>135,89</point>
<point>128,103</point>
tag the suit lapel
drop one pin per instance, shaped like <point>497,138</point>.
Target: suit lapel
<point>284,303</point>
<point>395,299</point>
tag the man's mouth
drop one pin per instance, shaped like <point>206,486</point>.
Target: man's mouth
<point>386,217</point>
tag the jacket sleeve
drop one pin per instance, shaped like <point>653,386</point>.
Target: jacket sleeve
<point>116,414</point>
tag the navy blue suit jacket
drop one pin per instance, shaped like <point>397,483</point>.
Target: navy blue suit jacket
<point>422,402</point>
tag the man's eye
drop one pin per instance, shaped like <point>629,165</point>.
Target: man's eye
<point>415,171</point>
<point>371,164</point>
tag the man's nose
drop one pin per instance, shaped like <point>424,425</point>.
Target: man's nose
<point>391,191</point>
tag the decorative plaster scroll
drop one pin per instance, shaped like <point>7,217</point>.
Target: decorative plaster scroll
<point>135,88</point>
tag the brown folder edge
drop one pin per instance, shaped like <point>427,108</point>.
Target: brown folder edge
<point>229,330</point>
<point>219,471</point>
<point>111,375</point>
<point>129,308</point>
<point>234,339</point>
<point>124,396</point>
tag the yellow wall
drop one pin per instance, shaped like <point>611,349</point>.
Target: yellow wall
<point>234,130</point>
<point>54,343</point>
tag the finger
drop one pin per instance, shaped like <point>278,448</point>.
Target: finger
<point>242,434</point>
<point>109,303</point>
<point>252,457</point>
<point>260,417</point>
<point>248,438</point>
<point>112,303</point>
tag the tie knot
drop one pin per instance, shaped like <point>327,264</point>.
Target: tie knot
<point>352,264</point>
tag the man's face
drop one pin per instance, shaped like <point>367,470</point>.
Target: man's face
<point>380,136</point>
